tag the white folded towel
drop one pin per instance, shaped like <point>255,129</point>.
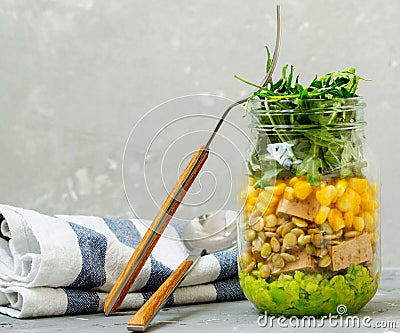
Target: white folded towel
<point>54,265</point>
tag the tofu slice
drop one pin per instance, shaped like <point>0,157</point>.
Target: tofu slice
<point>304,262</point>
<point>306,209</point>
<point>354,251</point>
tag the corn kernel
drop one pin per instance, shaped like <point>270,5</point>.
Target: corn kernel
<point>344,202</point>
<point>348,219</point>
<point>249,208</point>
<point>356,197</point>
<point>248,192</point>
<point>341,186</point>
<point>275,201</point>
<point>293,181</point>
<point>322,214</point>
<point>364,198</point>
<point>373,189</point>
<point>289,193</point>
<point>335,219</point>
<point>371,206</point>
<point>267,203</point>
<point>356,209</point>
<point>279,189</point>
<point>358,223</point>
<point>369,220</point>
<point>326,195</point>
<point>348,201</point>
<point>359,185</point>
<point>302,189</point>
<point>252,201</point>
<point>270,210</point>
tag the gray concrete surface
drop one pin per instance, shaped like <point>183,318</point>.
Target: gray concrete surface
<point>77,75</point>
<point>383,309</point>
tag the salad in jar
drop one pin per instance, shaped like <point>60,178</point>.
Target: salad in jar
<point>309,226</point>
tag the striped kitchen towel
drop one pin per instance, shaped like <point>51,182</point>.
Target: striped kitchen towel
<point>60,264</point>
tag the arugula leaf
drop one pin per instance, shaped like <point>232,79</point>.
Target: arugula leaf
<point>311,166</point>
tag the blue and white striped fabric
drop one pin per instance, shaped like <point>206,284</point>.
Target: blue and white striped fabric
<point>55,265</point>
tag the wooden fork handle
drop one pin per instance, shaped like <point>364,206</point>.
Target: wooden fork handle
<point>153,233</point>
<point>147,312</point>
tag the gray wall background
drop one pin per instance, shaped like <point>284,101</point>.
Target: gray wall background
<point>76,75</point>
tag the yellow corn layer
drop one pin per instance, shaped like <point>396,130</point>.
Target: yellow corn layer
<point>345,203</point>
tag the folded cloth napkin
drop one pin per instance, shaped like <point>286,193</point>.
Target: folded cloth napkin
<point>58,264</point>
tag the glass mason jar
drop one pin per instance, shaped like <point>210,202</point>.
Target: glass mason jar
<point>308,233</point>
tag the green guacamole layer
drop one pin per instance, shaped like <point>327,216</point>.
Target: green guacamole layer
<point>310,293</point>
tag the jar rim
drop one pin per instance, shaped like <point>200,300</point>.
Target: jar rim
<point>351,109</point>
<point>301,128</point>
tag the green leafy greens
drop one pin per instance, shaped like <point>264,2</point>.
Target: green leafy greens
<point>307,293</point>
<point>310,130</point>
